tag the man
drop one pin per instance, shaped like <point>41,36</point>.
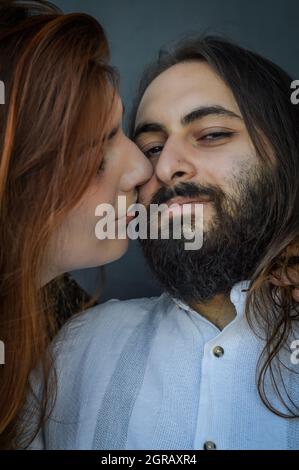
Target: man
<point>210,364</point>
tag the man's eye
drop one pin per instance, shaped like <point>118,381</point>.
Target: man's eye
<point>153,151</point>
<point>215,136</point>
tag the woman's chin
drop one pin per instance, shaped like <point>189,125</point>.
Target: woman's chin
<point>104,253</point>
<point>112,250</point>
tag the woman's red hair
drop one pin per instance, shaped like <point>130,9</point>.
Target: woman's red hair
<point>56,73</point>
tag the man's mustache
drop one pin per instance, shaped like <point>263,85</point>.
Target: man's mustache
<point>186,190</point>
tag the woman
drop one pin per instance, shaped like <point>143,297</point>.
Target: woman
<point>63,152</point>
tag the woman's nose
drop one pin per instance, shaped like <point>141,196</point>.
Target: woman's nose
<point>139,170</point>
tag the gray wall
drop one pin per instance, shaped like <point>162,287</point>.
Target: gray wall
<point>137,29</point>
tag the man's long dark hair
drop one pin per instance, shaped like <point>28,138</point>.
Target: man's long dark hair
<point>262,91</point>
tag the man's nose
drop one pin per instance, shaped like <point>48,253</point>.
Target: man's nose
<point>173,165</point>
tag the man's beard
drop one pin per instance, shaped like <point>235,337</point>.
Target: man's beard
<point>233,245</point>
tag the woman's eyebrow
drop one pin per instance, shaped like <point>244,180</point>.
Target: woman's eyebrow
<point>116,128</point>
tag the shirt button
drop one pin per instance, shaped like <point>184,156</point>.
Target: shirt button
<point>209,445</point>
<point>218,351</point>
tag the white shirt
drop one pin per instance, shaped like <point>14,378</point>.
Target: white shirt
<point>155,374</point>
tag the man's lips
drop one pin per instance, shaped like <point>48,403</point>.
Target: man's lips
<point>187,200</point>
<point>183,205</point>
<point>179,201</point>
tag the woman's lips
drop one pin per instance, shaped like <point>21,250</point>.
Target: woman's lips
<point>127,216</point>
<point>130,217</point>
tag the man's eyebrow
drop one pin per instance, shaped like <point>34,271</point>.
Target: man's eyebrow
<point>204,111</point>
<point>145,127</point>
<point>196,114</point>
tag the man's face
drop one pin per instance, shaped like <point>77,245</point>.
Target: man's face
<point>190,127</point>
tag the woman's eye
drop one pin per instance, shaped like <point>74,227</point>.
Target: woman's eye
<point>153,151</point>
<point>215,136</point>
<point>101,167</point>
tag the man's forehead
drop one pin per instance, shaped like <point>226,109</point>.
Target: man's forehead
<point>182,87</point>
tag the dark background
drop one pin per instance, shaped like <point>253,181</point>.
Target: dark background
<point>136,31</point>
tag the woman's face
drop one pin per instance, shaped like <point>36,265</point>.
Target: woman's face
<point>75,245</point>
